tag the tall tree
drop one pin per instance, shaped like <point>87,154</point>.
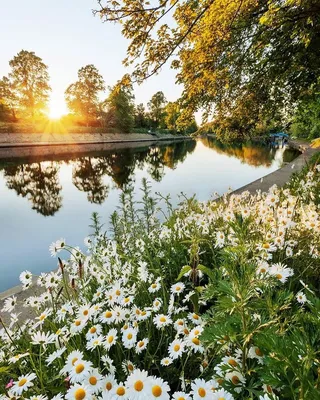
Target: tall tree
<point>157,109</point>
<point>119,108</point>
<point>140,117</point>
<point>8,100</point>
<point>223,49</point>
<point>82,96</point>
<point>30,82</point>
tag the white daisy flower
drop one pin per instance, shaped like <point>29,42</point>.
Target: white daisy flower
<point>110,339</point>
<point>165,362</point>
<point>108,383</point>
<point>177,288</point>
<point>42,338</point>
<point>162,321</point>
<point>95,342</point>
<point>118,392</point>
<point>255,353</point>
<point>129,338</point>
<point>137,385</point>
<point>79,371</point>
<point>78,392</point>
<point>157,389</point>
<point>23,383</point>
<point>9,304</point>
<point>14,359</point>
<point>301,298</point>
<point>222,394</point>
<point>181,396</point>
<point>141,345</point>
<point>176,348</point>
<point>195,318</point>
<point>56,354</point>
<point>201,390</point>
<point>93,381</point>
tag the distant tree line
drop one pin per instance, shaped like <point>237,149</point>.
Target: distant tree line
<point>24,95</point>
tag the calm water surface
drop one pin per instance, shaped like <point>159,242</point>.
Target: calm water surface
<point>45,200</point>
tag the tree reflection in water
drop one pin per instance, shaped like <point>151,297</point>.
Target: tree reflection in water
<point>39,182</point>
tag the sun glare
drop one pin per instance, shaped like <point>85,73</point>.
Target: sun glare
<point>56,109</point>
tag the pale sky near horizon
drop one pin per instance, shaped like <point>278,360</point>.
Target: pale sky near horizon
<point>66,35</point>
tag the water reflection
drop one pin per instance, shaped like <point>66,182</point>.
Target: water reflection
<point>39,182</point>
<point>251,153</point>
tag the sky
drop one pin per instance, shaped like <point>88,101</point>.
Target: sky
<point>66,35</point>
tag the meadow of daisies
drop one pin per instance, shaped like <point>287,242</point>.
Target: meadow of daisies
<point>219,300</point>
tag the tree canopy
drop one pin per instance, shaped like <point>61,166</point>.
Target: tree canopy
<point>224,50</point>
<point>28,84</point>
<point>82,96</point>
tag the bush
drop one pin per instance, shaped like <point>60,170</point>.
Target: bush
<point>220,301</point>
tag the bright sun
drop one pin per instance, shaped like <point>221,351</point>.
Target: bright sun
<point>57,108</point>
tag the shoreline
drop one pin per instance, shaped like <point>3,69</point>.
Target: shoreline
<point>279,177</point>
<point>31,148</point>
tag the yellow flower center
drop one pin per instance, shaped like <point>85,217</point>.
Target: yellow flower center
<point>77,323</point>
<point>176,347</point>
<point>138,386</point>
<point>118,292</point>
<point>156,391</point>
<point>74,361</point>
<point>129,336</point>
<point>79,394</point>
<point>109,386</point>
<point>195,316</point>
<point>79,368</point>
<point>93,380</point>
<point>85,312</point>
<point>258,352</point>
<point>233,362</point>
<point>143,313</point>
<point>180,323</point>
<point>110,339</point>
<point>126,300</point>
<point>141,344</point>
<point>22,382</point>
<point>196,341</point>
<point>279,276</point>
<point>121,391</point>
<point>181,398</point>
<point>130,367</point>
<point>178,288</point>
<point>93,330</point>
<point>42,317</point>
<point>154,285</point>
<point>162,319</point>
<point>108,314</point>
<point>266,245</point>
<point>202,392</point>
<point>235,380</point>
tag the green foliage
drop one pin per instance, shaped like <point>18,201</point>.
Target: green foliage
<point>226,52</point>
<point>157,110</point>
<point>26,90</point>
<point>119,108</point>
<point>82,97</point>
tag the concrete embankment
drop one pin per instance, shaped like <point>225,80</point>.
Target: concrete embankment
<point>281,176</point>
<point>19,145</point>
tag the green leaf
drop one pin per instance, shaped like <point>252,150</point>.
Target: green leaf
<point>183,271</point>
<point>207,271</point>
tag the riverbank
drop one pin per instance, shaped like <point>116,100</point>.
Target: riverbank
<point>20,145</point>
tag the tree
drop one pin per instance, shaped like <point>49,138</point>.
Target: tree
<point>82,96</point>
<point>140,117</point>
<point>224,48</point>
<point>120,108</point>
<point>30,83</point>
<point>8,100</point>
<point>157,109</point>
